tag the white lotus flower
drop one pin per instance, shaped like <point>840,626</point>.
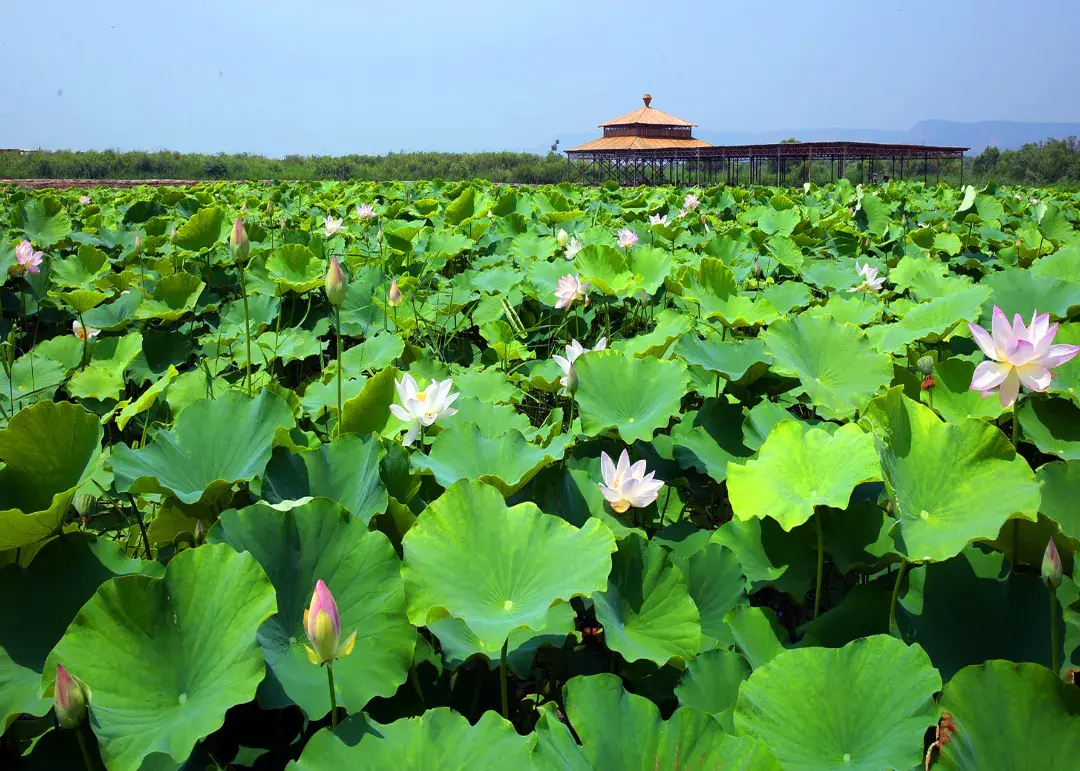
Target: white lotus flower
<point>1019,355</point>
<point>566,364</point>
<point>569,288</point>
<point>365,211</point>
<point>333,226</point>
<point>84,333</point>
<point>870,280</point>
<point>625,485</point>
<point>657,219</point>
<point>627,238</point>
<point>573,248</point>
<point>84,200</point>
<point>691,201</point>
<point>422,408</point>
<point>682,213</point>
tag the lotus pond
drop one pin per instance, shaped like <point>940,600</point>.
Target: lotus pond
<point>457,476</point>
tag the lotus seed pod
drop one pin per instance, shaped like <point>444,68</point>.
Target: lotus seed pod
<point>1051,566</point>
<point>335,283</point>
<point>69,699</point>
<point>85,504</point>
<point>926,365</point>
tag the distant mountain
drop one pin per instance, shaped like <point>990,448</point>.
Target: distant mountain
<point>1005,135</point>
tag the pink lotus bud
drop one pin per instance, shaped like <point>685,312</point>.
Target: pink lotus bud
<point>393,297</point>
<point>335,283</point>
<point>69,699</point>
<point>238,241</point>
<point>323,626</point>
<point>1051,566</point>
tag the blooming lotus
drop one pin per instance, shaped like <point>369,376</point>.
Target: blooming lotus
<point>625,485</point>
<point>691,201</point>
<point>332,226</point>
<point>627,238</point>
<point>422,408</point>
<point>569,288</point>
<point>69,699</point>
<point>26,259</point>
<point>1019,355</point>
<point>561,237</point>
<point>84,333</point>
<point>323,626</point>
<point>84,200</point>
<point>566,364</point>
<point>871,282</point>
<point>682,213</point>
<point>335,283</point>
<point>393,297</point>
<point>573,248</point>
<point>657,219</point>
<point>365,211</point>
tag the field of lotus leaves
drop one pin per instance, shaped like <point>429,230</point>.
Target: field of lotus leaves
<point>459,476</point>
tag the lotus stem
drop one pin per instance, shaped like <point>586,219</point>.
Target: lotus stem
<point>1016,424</point>
<point>85,343</point>
<point>820,563</point>
<point>1055,638</point>
<point>88,759</point>
<point>502,680</point>
<point>415,681</point>
<point>333,694</point>
<point>337,332</point>
<point>900,575</point>
<point>247,331</point>
<point>142,526</point>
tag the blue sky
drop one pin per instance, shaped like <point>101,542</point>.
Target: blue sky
<point>339,76</point>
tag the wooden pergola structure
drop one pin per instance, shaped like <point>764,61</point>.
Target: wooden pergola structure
<point>650,147</point>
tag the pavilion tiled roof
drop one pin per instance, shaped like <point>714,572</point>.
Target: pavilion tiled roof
<point>639,143</point>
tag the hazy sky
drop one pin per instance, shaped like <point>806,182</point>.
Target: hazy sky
<point>339,76</point>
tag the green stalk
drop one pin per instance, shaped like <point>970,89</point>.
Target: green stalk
<point>820,563</point>
<point>85,341</point>
<point>247,331</point>
<point>502,681</point>
<point>337,330</point>
<point>1055,639</point>
<point>901,574</point>
<point>415,681</point>
<point>142,525</point>
<point>88,759</point>
<point>1016,423</point>
<point>333,694</point>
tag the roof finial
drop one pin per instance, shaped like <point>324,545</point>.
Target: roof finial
<point>647,99</point>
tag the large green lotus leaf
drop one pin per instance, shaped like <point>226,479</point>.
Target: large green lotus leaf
<point>34,378</point>
<point>865,706</point>
<point>634,396</point>
<point>771,556</point>
<point>458,643</point>
<point>438,740</point>
<point>711,683</point>
<point>166,658</point>
<point>496,567</point>
<point>1020,291</point>
<point>953,397</point>
<point>670,326</point>
<point>95,382</point>
<point>83,300</point>
<point>202,231</point>
<point>858,536</point>
<point>650,266</point>
<point>733,358</point>
<point>970,609</point>
<point>799,468</point>
<point>1059,485</point>
<point>623,731</point>
<point>849,309</point>
<point>19,692</point>
<point>346,471</point>
<point>48,451</point>
<point>931,321</point>
<point>372,354</point>
<point>490,386</point>
<point>834,362</point>
<point>146,399</point>
<point>715,581</point>
<point>1053,425</point>
<point>708,438</point>
<point>173,296</point>
<point>369,411</point>
<point>214,443</point>
<point>494,420</point>
<point>294,267</point>
<point>44,222</point>
<point>1020,717</point>
<point>507,463</point>
<point>647,611</point>
<point>605,268</point>
<point>951,483</point>
<point>757,633</point>
<point>80,269</point>
<point>319,540</point>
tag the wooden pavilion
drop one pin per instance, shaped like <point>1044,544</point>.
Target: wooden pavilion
<point>651,147</point>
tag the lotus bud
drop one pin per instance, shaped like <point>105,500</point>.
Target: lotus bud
<point>571,380</point>
<point>562,237</point>
<point>323,626</point>
<point>270,208</point>
<point>926,365</point>
<point>200,531</point>
<point>243,208</point>
<point>378,237</point>
<point>393,297</point>
<point>138,243</point>
<point>172,234</point>
<point>238,241</point>
<point>69,699</point>
<point>335,283</point>
<point>1051,566</point>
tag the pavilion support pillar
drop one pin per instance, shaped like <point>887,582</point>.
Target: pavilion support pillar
<point>961,168</point>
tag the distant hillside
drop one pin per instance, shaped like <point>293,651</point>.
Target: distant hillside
<point>1005,135</point>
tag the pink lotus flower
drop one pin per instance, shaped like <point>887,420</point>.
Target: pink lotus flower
<point>625,485</point>
<point>1019,355</point>
<point>84,333</point>
<point>323,626</point>
<point>691,201</point>
<point>27,260</point>
<point>627,238</point>
<point>84,200</point>
<point>365,211</point>
<point>332,227</point>
<point>69,699</point>
<point>657,219</point>
<point>566,364</point>
<point>569,288</point>
<point>573,248</point>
